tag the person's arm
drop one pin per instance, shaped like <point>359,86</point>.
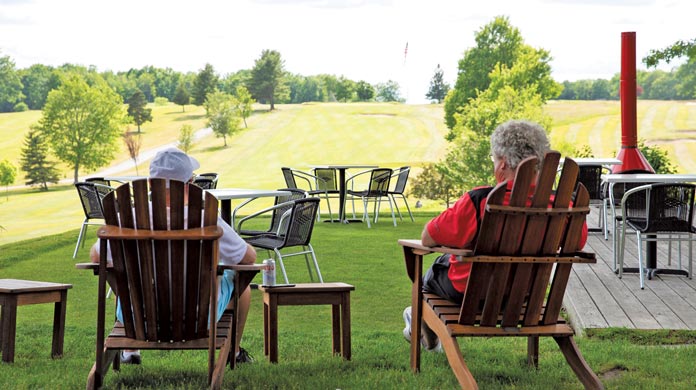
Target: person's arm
<point>94,253</point>
<point>426,239</point>
<point>249,255</point>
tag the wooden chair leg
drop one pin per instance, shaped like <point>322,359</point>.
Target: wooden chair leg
<point>533,351</point>
<point>451,347</point>
<point>577,363</point>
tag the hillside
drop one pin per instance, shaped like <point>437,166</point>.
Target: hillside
<point>310,134</point>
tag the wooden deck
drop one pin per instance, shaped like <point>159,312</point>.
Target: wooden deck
<point>597,298</point>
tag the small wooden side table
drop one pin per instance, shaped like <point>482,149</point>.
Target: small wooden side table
<point>13,293</point>
<point>335,294</point>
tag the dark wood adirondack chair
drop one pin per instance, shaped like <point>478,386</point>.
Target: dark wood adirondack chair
<point>521,265</point>
<point>164,275</point>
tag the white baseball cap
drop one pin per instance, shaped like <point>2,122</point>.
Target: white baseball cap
<point>172,163</point>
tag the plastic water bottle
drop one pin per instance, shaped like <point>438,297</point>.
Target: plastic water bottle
<point>268,273</point>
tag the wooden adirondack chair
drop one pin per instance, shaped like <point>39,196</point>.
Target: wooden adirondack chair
<point>164,276</point>
<point>521,265</point>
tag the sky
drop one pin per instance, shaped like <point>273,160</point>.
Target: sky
<point>359,39</point>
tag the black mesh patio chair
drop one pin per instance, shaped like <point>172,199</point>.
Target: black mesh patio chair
<point>635,205</point>
<point>276,212</point>
<point>377,189</point>
<point>658,212</point>
<point>91,195</point>
<point>591,177</point>
<point>401,176</point>
<point>327,182</point>
<point>207,181</point>
<point>313,185</point>
<point>99,180</point>
<point>294,231</point>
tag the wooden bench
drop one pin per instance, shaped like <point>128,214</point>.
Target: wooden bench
<point>335,294</point>
<point>15,292</point>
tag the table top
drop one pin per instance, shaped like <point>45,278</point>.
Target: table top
<point>597,161</point>
<point>125,178</point>
<point>243,193</point>
<point>18,285</point>
<point>345,166</point>
<point>648,178</point>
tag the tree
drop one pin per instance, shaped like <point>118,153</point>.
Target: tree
<point>365,91</point>
<point>133,145</point>
<point>10,85</point>
<point>8,172</point>
<point>186,140</point>
<point>222,114</point>
<point>512,94</point>
<point>244,103</point>
<point>205,83</point>
<point>433,183</point>
<point>345,89</point>
<point>137,109</point>
<point>182,96</point>
<point>438,87</point>
<point>34,161</point>
<point>37,80</point>
<point>267,77</point>
<point>388,92</point>
<point>677,49</point>
<point>82,123</point>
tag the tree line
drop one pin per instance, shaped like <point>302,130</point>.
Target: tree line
<point>28,88</point>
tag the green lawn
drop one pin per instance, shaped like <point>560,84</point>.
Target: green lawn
<point>369,259</point>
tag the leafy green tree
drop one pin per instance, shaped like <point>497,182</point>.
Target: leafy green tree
<point>182,96</point>
<point>8,172</point>
<point>244,103</point>
<point>34,161</point>
<point>438,87</point>
<point>146,85</point>
<point>137,109</point>
<point>345,89</point>
<point>678,49</point>
<point>205,83</point>
<point>433,183</point>
<point>82,123</point>
<point>496,44</point>
<point>511,95</point>
<point>186,140</point>
<point>388,92</point>
<point>221,111</point>
<point>37,80</point>
<point>365,91</point>
<point>10,85</point>
<point>267,77</point>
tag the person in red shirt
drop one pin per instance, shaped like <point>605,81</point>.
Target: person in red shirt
<point>457,227</point>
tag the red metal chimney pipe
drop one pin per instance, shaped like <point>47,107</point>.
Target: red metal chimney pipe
<point>633,160</point>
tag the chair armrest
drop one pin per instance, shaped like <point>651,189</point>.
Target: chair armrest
<point>417,244</point>
<point>89,266</point>
<point>240,267</point>
<point>266,210</point>
<point>351,178</point>
<point>308,177</point>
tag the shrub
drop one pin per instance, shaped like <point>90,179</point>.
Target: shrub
<point>161,101</point>
<point>20,107</point>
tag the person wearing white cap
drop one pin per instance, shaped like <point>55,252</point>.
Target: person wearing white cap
<point>172,163</point>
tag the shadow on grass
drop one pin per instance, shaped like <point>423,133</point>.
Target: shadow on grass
<point>189,117</point>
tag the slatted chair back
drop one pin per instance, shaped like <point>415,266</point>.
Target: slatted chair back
<point>509,294</point>
<point>164,285</point>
